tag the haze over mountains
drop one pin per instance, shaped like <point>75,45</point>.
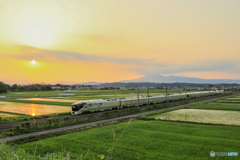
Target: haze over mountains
<point>180,79</point>
<point>171,79</point>
<point>156,79</point>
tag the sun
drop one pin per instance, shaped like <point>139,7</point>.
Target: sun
<point>39,23</point>
<point>33,62</point>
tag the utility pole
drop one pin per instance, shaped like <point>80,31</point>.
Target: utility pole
<point>138,96</point>
<point>148,95</point>
<point>209,90</point>
<point>115,93</point>
<point>166,94</point>
<point>185,93</point>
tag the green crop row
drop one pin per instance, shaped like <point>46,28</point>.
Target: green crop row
<point>143,140</point>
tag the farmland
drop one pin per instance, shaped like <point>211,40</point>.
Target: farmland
<point>155,139</point>
<point>221,111</point>
<point>49,100</point>
<point>217,106</point>
<point>29,109</point>
<point>4,115</point>
<point>87,94</point>
<point>201,116</point>
<point>230,103</point>
<point>149,139</point>
<point>52,102</point>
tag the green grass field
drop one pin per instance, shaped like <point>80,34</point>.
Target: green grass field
<point>149,139</point>
<point>201,116</point>
<point>229,103</point>
<point>4,115</point>
<point>217,106</point>
<point>86,94</point>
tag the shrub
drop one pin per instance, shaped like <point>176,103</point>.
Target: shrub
<point>36,124</point>
<point>50,121</point>
<point>18,127</point>
<point>23,125</point>
<point>28,124</point>
<point>9,134</point>
<point>66,118</point>
<point>25,119</point>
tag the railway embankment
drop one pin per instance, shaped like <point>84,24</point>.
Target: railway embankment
<point>31,131</point>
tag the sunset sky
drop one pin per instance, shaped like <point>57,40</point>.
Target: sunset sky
<point>114,40</point>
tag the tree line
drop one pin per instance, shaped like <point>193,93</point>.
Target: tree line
<point>34,87</point>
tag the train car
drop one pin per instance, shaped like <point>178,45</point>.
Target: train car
<point>157,99</point>
<point>111,104</point>
<point>94,105</point>
<point>176,97</point>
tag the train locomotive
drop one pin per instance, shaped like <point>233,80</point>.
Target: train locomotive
<point>112,104</point>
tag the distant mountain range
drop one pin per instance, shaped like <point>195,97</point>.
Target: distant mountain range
<point>155,79</point>
<point>179,79</point>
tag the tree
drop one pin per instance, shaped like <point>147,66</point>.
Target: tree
<point>22,88</point>
<point>14,87</point>
<point>34,88</point>
<point>3,87</point>
<point>210,85</point>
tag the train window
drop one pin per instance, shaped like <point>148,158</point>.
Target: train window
<point>98,104</point>
<point>75,108</point>
<point>89,105</point>
<point>80,106</point>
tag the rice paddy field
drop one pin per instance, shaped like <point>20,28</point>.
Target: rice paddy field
<point>154,139</point>
<point>3,115</point>
<point>52,102</point>
<point>218,106</point>
<point>86,94</point>
<point>48,100</point>
<point>29,109</point>
<point>201,116</point>
<point>222,111</point>
<point>229,103</point>
<point>147,139</point>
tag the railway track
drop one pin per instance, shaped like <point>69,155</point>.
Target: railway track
<point>5,127</point>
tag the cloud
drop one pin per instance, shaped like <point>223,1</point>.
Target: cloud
<point>141,66</point>
<point>104,38</point>
<point>51,55</point>
<point>201,66</point>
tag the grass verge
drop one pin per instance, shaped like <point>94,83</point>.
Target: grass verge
<point>146,140</point>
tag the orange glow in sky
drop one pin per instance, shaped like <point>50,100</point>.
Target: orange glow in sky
<point>33,62</point>
<point>74,41</point>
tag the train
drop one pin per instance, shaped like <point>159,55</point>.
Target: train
<point>118,103</point>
